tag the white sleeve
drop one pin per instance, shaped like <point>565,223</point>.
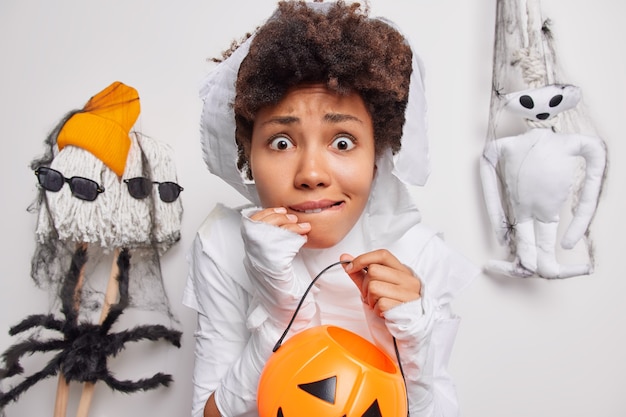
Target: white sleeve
<point>279,281</point>
<point>221,332</point>
<point>238,327</point>
<point>236,394</point>
<point>229,357</point>
<point>425,331</point>
<point>425,339</point>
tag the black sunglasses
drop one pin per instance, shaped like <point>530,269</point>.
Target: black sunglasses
<point>81,187</point>
<point>141,187</point>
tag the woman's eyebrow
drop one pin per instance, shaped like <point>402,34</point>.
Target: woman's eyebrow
<point>282,120</point>
<point>340,117</point>
<point>328,117</point>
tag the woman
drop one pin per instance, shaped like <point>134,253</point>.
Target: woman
<point>327,127</point>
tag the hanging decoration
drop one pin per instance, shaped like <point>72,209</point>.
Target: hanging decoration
<point>542,154</point>
<point>104,191</point>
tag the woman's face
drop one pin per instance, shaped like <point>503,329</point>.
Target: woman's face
<point>313,154</point>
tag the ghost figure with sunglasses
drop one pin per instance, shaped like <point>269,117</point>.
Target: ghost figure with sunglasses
<point>95,179</point>
<point>321,129</point>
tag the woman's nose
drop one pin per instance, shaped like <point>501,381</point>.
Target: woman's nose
<point>313,171</point>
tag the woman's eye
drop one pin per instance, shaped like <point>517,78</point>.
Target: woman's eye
<point>343,143</point>
<point>280,143</point>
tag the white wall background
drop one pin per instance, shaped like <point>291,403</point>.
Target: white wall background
<point>525,348</point>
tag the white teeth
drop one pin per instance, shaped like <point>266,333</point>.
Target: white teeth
<point>319,210</point>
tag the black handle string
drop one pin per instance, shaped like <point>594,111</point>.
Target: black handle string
<point>280,341</point>
<point>293,318</point>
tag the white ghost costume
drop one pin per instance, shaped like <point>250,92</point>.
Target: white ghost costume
<point>246,277</point>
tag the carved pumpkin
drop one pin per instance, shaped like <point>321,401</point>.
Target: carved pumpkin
<point>330,371</point>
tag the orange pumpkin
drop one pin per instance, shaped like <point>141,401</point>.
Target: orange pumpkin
<point>330,371</point>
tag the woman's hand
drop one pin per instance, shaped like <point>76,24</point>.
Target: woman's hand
<point>272,239</point>
<point>278,216</point>
<point>383,280</point>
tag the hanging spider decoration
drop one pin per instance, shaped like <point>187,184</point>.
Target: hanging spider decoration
<point>85,346</point>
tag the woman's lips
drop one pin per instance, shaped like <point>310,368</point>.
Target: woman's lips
<point>315,206</point>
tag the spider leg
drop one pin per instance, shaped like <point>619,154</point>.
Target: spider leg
<point>13,354</point>
<point>151,332</point>
<point>49,370</point>
<point>47,321</point>
<point>143,384</point>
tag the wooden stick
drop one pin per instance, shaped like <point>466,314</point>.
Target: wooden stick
<point>110,297</point>
<point>63,386</point>
<point>63,392</point>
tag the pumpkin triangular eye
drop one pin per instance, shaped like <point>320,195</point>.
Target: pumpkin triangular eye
<point>324,389</point>
<point>373,410</point>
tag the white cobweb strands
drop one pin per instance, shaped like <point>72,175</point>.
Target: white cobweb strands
<point>523,55</point>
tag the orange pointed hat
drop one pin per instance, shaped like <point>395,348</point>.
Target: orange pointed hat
<point>103,125</point>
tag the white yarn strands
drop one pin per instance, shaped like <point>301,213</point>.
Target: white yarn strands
<point>535,57</point>
<point>133,217</point>
<point>115,218</point>
<point>72,219</point>
<point>167,217</point>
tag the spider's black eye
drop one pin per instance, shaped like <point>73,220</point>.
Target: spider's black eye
<point>527,101</point>
<point>556,100</point>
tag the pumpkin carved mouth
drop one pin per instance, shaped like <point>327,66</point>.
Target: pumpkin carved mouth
<point>373,411</point>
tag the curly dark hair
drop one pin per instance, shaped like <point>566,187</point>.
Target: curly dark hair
<point>342,48</point>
